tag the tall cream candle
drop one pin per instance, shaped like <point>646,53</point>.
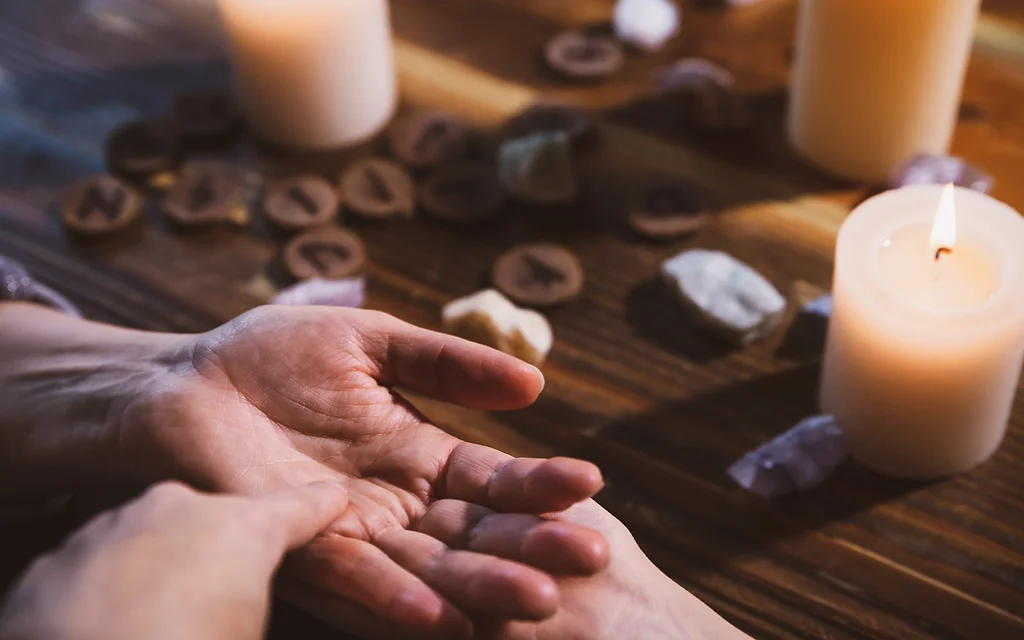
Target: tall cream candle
<point>312,73</point>
<point>927,332</point>
<point>876,81</point>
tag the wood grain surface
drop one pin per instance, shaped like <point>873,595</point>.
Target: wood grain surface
<point>632,384</point>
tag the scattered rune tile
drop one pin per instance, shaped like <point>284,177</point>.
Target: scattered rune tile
<point>711,100</point>
<point>205,117</point>
<point>142,148</point>
<point>375,188</point>
<point>300,202</point>
<point>538,275</point>
<point>798,460</point>
<point>538,168</point>
<point>206,192</point>
<point>725,295</point>
<point>646,24</point>
<point>543,117</point>
<point>668,207</point>
<point>463,193</point>
<point>489,318</point>
<point>934,169</point>
<point>429,139</point>
<point>99,205</point>
<point>583,55</point>
<point>345,292</point>
<point>330,254</point>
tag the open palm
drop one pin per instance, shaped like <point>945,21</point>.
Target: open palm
<point>287,396</point>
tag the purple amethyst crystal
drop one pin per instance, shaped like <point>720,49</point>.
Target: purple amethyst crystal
<point>711,101</point>
<point>798,460</point>
<point>820,306</point>
<point>932,169</point>
<point>349,292</point>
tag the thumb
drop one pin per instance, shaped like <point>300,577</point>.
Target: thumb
<point>302,513</point>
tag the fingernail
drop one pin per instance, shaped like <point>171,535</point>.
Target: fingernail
<point>543,380</point>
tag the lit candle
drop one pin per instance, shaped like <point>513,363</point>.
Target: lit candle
<point>926,338</point>
<point>312,73</point>
<point>877,81</point>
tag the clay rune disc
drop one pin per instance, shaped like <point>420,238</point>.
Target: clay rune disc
<point>324,253</point>
<point>584,55</point>
<point>668,208</point>
<point>205,192</point>
<point>539,274</point>
<point>300,202</point>
<point>100,204</point>
<point>375,188</point>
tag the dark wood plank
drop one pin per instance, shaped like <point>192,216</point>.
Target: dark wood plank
<point>631,384</point>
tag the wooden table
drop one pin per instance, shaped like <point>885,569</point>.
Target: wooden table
<point>632,385</point>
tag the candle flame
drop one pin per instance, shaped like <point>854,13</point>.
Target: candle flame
<point>944,229</point>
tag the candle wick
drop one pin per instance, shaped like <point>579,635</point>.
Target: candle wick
<point>942,251</point>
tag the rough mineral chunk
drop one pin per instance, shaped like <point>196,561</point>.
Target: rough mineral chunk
<point>490,318</point>
<point>646,24</point>
<point>346,292</point>
<point>711,100</point>
<point>933,169</point>
<point>725,295</point>
<point>820,306</point>
<point>538,168</point>
<point>798,460</point>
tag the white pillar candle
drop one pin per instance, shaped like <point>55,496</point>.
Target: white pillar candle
<point>876,81</point>
<point>927,332</point>
<point>312,73</point>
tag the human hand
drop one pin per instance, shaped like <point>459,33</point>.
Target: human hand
<point>282,397</point>
<point>173,564</point>
<point>631,600</point>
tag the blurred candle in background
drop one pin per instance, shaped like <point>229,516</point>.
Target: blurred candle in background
<point>312,73</point>
<point>876,81</point>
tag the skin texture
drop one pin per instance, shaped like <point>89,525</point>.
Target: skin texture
<point>436,538</point>
<point>100,584</point>
<point>283,397</point>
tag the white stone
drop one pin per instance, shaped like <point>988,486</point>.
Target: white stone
<point>724,294</point>
<point>646,24</point>
<point>488,317</point>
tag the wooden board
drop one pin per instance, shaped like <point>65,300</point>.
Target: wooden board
<point>632,385</point>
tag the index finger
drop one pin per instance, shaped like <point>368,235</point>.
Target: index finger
<point>446,367</point>
<point>300,514</point>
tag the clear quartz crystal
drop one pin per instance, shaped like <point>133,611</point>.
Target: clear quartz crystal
<point>646,24</point>
<point>347,292</point>
<point>538,167</point>
<point>724,294</point>
<point>798,460</point>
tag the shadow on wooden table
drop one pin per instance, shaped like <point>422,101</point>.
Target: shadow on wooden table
<point>762,148</point>
<point>666,468</point>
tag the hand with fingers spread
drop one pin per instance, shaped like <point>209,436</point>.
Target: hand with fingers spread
<point>173,564</point>
<point>283,397</point>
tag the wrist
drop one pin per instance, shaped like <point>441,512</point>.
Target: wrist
<point>66,385</point>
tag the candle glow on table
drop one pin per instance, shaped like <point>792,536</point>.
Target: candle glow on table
<point>926,339</point>
<point>313,73</point>
<point>877,81</point>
